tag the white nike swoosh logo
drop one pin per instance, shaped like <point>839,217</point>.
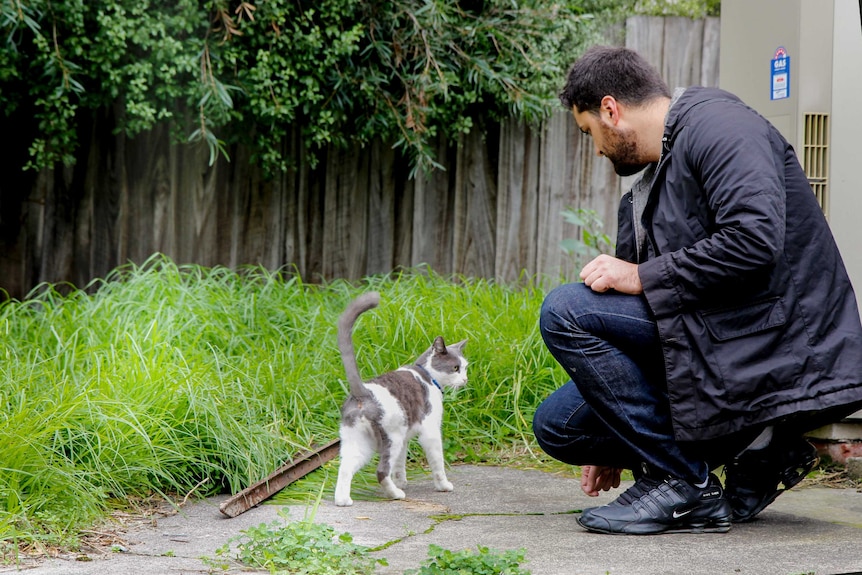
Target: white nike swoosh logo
<point>678,514</point>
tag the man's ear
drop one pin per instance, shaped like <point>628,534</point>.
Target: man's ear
<point>610,110</point>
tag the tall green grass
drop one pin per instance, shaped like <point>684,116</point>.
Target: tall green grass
<point>175,379</point>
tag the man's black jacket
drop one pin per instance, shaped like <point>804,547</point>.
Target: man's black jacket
<point>756,314</point>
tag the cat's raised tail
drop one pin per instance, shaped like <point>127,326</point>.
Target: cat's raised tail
<point>358,306</point>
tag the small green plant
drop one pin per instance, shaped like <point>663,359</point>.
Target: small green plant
<point>591,241</point>
<point>482,561</point>
<point>300,547</point>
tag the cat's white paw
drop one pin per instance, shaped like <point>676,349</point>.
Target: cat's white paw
<point>391,489</point>
<point>394,493</point>
<point>400,481</point>
<point>343,501</point>
<point>445,486</point>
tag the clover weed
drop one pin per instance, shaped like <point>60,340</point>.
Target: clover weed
<point>298,547</point>
<point>482,561</point>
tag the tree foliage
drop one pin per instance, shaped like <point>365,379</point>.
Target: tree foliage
<point>688,8</point>
<point>227,71</point>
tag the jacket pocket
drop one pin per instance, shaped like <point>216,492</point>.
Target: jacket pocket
<point>731,323</point>
<point>748,355</point>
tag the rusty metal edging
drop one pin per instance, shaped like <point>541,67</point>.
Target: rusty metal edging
<point>302,465</point>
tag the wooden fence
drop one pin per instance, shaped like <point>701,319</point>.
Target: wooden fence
<point>495,212</point>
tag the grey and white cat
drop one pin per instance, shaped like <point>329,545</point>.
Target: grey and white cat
<point>384,414</point>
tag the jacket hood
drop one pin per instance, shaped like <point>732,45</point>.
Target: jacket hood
<point>691,98</point>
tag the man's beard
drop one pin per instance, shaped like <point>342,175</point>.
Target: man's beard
<point>622,150</point>
<point>623,169</point>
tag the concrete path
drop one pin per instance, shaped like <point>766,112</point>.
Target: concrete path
<point>809,530</point>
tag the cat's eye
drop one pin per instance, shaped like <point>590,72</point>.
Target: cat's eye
<point>457,368</point>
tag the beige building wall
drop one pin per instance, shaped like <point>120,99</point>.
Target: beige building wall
<point>824,41</point>
<point>845,206</point>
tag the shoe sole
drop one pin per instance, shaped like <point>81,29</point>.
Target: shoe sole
<point>713,526</point>
<point>790,477</point>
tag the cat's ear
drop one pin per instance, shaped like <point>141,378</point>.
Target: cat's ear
<point>439,346</point>
<point>460,345</point>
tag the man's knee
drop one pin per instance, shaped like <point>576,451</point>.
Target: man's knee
<point>559,307</point>
<point>546,430</point>
<point>557,418</point>
<point>556,436</point>
<point>541,423</point>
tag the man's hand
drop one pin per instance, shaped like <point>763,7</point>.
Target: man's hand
<point>595,478</point>
<point>607,272</point>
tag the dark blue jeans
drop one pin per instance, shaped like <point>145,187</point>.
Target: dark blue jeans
<point>615,410</point>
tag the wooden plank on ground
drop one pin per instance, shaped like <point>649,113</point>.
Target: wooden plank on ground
<point>302,465</point>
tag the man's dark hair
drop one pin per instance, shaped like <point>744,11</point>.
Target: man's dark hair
<point>611,71</point>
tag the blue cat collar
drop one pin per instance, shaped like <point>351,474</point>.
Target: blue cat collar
<point>434,381</point>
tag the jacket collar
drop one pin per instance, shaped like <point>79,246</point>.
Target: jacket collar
<point>683,102</point>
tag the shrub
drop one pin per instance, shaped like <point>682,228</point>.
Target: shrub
<point>225,71</point>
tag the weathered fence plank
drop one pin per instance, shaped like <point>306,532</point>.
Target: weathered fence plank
<point>344,217</point>
<point>646,35</point>
<point>381,209</point>
<point>432,221</point>
<point>709,71</point>
<point>475,215</point>
<point>517,200</point>
<point>557,174</point>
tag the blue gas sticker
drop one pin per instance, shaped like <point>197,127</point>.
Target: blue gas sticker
<point>780,75</point>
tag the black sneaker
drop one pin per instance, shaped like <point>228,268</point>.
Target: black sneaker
<point>646,479</point>
<point>672,506</point>
<point>636,491</point>
<point>755,478</point>
<point>644,482</point>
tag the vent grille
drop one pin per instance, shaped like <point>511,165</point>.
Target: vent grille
<point>816,156</point>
